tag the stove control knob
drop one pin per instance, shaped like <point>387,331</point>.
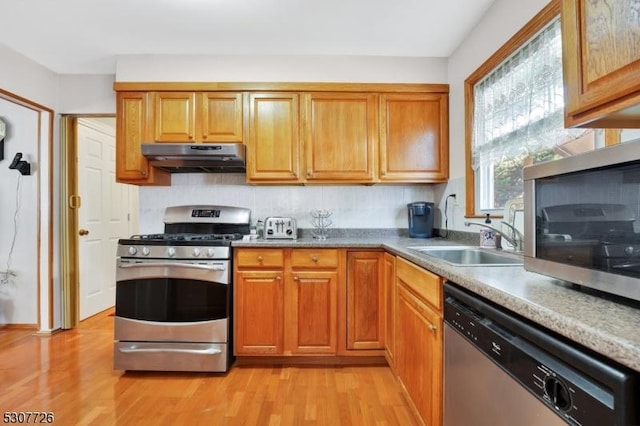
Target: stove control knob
<point>210,252</point>
<point>629,250</point>
<point>132,251</point>
<point>196,252</point>
<point>145,251</point>
<point>171,251</point>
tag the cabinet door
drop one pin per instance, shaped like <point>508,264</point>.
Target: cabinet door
<point>340,134</point>
<point>389,285</point>
<point>219,117</point>
<point>259,313</point>
<point>131,131</point>
<point>273,148</point>
<point>419,355</point>
<point>174,116</point>
<point>414,137</point>
<point>311,300</point>
<point>601,58</point>
<point>365,301</point>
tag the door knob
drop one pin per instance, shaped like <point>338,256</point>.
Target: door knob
<point>83,232</point>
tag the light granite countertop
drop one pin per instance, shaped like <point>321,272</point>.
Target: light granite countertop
<point>608,327</point>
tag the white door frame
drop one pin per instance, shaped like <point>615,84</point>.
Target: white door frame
<point>45,252</point>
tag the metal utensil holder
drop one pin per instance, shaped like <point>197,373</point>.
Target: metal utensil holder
<point>321,223</point>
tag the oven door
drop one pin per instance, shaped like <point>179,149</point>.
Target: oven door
<point>180,301</point>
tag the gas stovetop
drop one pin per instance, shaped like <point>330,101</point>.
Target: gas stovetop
<point>191,232</point>
<point>183,239</point>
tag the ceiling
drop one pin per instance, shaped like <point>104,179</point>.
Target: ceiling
<point>86,36</point>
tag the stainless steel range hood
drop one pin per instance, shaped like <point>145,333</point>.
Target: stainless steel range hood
<point>196,158</point>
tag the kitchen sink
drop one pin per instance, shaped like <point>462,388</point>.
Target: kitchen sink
<point>467,256</point>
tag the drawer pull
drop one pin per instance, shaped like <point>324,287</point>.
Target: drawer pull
<point>296,278</point>
<point>433,328</point>
<point>315,259</point>
<point>260,259</point>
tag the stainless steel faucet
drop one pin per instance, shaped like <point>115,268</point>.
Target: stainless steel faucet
<point>516,239</point>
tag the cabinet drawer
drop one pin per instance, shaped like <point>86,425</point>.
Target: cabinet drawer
<point>314,258</point>
<point>423,283</point>
<point>259,258</point>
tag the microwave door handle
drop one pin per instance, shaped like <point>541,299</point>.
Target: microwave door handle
<point>173,265</point>
<point>628,265</point>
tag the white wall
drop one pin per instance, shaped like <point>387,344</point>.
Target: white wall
<point>27,79</point>
<point>78,94</point>
<point>501,21</point>
<point>19,217</point>
<point>281,68</point>
<point>86,94</point>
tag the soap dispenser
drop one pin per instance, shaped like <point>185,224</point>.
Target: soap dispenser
<point>488,237</point>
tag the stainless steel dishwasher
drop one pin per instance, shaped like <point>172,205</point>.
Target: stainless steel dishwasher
<point>500,369</point>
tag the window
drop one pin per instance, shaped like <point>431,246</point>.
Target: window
<point>515,114</point>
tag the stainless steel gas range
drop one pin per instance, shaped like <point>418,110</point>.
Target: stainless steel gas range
<point>174,292</point>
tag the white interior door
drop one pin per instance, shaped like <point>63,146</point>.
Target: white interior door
<point>108,211</point>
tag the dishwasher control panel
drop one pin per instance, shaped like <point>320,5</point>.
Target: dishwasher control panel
<point>549,368</point>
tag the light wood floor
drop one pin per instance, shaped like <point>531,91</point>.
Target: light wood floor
<point>71,375</point>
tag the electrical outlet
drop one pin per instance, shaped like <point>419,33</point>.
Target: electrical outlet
<point>455,199</point>
<point>6,277</point>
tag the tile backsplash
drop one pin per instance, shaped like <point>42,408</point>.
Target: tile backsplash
<point>353,206</point>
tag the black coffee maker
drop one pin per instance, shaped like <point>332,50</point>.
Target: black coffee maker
<point>420,219</point>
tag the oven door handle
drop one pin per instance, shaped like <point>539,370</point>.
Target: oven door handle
<point>187,271</point>
<point>151,349</point>
<point>174,265</point>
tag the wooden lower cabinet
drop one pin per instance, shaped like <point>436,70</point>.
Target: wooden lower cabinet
<point>286,301</point>
<point>390,306</point>
<point>327,302</point>
<point>259,313</point>
<point>311,300</point>
<point>419,340</point>
<point>365,300</point>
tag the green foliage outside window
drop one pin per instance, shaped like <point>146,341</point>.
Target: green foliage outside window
<point>508,178</point>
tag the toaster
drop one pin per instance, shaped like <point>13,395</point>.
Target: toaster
<point>280,228</point>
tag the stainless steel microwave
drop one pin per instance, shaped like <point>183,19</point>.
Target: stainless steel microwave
<point>582,219</point>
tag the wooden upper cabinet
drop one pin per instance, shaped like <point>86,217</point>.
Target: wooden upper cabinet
<point>295,133</point>
<point>414,137</point>
<point>601,58</point>
<point>220,117</point>
<point>340,134</point>
<point>273,146</point>
<point>174,116</point>
<point>131,131</point>
<point>198,117</point>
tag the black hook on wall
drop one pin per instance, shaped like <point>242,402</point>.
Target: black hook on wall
<point>24,167</point>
